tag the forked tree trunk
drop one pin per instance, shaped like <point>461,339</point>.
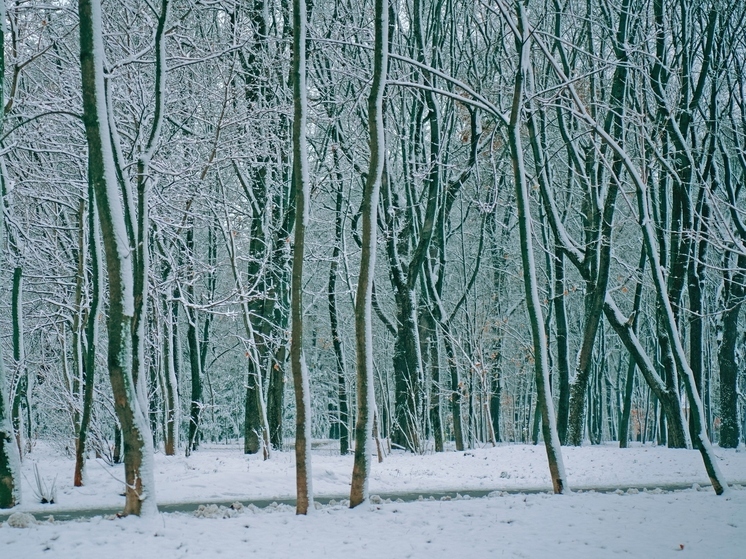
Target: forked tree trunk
<point>597,287</point>
<point>138,458</point>
<point>533,303</point>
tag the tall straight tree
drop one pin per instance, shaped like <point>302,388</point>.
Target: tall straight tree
<point>138,444</point>
<point>10,484</point>
<point>364,295</point>
<point>302,189</point>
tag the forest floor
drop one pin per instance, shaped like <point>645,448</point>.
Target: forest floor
<point>613,520</point>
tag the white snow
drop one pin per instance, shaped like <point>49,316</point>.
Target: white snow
<point>648,523</point>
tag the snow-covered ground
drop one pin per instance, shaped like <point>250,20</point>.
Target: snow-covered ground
<point>583,524</point>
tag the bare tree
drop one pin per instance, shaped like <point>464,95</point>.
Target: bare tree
<point>301,186</point>
<point>10,483</point>
<point>140,485</point>
<point>364,295</point>
<point>533,304</point>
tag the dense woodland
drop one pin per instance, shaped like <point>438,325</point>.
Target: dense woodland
<point>478,222</point>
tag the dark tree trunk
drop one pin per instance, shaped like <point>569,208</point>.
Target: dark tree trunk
<point>431,356</point>
<point>456,391</point>
<point>342,419</point>
<point>20,398</point>
<point>94,249</point>
<point>735,290</point>
<point>629,382</point>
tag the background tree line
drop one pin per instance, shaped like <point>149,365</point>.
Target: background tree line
<point>559,224</point>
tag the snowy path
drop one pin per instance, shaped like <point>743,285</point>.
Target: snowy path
<point>587,525</point>
<point>220,473</point>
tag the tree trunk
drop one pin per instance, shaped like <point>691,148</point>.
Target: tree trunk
<point>301,186</point>
<point>170,380</point>
<point>20,394</point>
<point>563,360</point>
<point>431,361</point>
<point>342,419</point>
<point>533,304</point>
<point>94,249</point>
<point>195,362</point>
<point>363,298</point>
<point>456,391</point>
<point>138,456</point>
<point>629,382</point>
<point>734,292</point>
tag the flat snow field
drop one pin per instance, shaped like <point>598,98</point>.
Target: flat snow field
<point>620,521</point>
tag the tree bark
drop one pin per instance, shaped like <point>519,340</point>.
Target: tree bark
<point>342,407</point>
<point>301,186</point>
<point>734,293</point>
<point>363,298</point>
<point>629,382</point>
<point>92,333</point>
<point>10,468</point>
<point>195,361</point>
<point>533,304</point>
<point>138,456</point>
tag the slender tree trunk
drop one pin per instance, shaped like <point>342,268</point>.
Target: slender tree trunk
<point>20,395</point>
<point>170,382</point>
<point>456,390</point>
<point>735,290</point>
<point>363,298</point>
<point>10,467</point>
<point>533,304</point>
<point>301,186</point>
<point>343,416</point>
<point>563,352</point>
<point>92,330</point>
<point>629,382</point>
<point>195,406</point>
<point>78,325</point>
